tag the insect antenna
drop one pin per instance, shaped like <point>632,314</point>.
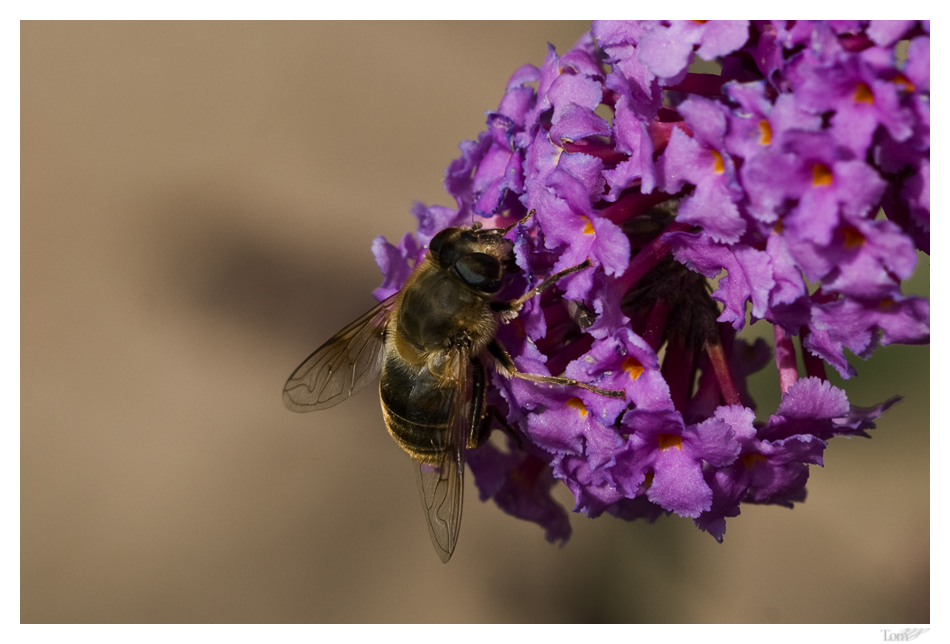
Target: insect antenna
<point>504,231</point>
<point>521,221</point>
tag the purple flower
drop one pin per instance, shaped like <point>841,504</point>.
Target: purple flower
<point>769,177</point>
<point>748,273</point>
<point>668,48</point>
<point>824,183</point>
<point>672,454</point>
<point>520,483</point>
<point>888,32</point>
<point>702,160</point>
<point>396,263</point>
<point>861,100</point>
<point>862,326</point>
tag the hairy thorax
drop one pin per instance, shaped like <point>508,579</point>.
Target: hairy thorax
<point>437,314</point>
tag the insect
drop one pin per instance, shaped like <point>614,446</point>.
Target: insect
<point>432,341</point>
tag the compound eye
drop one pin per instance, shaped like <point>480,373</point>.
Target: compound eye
<point>480,271</point>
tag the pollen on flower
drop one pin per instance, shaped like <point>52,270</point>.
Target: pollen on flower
<point>588,226</point>
<point>633,367</point>
<point>863,94</point>
<point>718,165</point>
<point>750,460</point>
<point>903,82</point>
<point>667,441</point>
<point>578,404</point>
<point>852,238</point>
<point>766,132</point>
<point>820,175</point>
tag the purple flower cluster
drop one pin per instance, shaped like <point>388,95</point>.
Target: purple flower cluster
<point>770,175</point>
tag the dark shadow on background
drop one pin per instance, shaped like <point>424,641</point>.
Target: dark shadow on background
<point>212,265</point>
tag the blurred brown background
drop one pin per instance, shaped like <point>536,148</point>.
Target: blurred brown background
<point>198,202</point>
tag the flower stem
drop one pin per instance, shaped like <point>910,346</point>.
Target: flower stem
<point>602,151</point>
<point>717,356</point>
<point>648,257</point>
<point>702,84</point>
<point>631,205</point>
<point>653,331</point>
<point>785,359</point>
<point>677,369</point>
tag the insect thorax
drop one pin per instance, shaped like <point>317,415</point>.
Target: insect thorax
<point>437,313</point>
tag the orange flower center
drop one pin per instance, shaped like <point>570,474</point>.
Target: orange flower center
<point>903,82</point>
<point>578,404</point>
<point>633,367</point>
<point>766,131</point>
<point>852,238</point>
<point>863,94</point>
<point>820,175</point>
<point>588,227</point>
<point>670,440</point>
<point>749,460</point>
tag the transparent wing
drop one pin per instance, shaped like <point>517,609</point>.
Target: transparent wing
<point>441,481</point>
<point>343,365</point>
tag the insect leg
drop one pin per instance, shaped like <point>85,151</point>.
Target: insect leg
<point>477,417</point>
<point>481,414</point>
<point>484,432</point>
<point>515,305</point>
<point>508,366</point>
<point>523,220</point>
<point>493,412</point>
<point>504,231</point>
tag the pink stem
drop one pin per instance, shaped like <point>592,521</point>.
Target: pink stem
<point>785,359</point>
<point>717,356</point>
<point>648,257</point>
<point>855,43</point>
<point>653,333</point>
<point>602,151</point>
<point>702,84</point>
<point>677,370</point>
<point>660,129</point>
<point>631,205</point>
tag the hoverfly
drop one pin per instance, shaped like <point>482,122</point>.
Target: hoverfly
<point>431,340</point>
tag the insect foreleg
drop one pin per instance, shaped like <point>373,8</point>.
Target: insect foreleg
<point>514,306</point>
<point>492,412</point>
<point>522,221</point>
<point>509,368</point>
<point>504,231</point>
